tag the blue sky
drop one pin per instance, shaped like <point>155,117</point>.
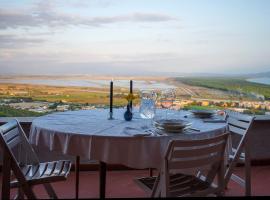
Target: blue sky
<point>136,37</point>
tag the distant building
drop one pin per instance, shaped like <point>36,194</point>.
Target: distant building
<point>238,109</point>
<point>205,103</point>
<point>39,110</point>
<point>88,107</point>
<point>62,107</point>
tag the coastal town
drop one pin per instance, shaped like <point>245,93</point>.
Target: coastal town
<point>39,99</point>
<point>47,107</point>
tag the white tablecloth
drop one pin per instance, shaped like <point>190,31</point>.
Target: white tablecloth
<point>89,134</point>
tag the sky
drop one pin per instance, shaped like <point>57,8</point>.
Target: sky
<point>134,37</point>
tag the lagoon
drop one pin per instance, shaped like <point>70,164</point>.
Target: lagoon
<point>138,84</point>
<point>262,80</point>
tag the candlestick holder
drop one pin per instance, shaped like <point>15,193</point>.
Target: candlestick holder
<point>110,116</point>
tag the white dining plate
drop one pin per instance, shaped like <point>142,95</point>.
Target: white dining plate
<point>203,113</point>
<point>172,125</point>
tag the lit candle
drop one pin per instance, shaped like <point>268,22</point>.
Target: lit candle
<point>131,90</point>
<point>111,96</point>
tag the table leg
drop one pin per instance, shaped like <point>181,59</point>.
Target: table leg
<point>77,175</point>
<point>6,176</point>
<point>102,179</point>
<point>150,172</point>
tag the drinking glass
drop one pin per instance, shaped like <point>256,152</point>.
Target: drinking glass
<point>147,107</point>
<point>166,99</point>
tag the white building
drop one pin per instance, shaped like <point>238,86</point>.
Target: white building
<point>62,107</point>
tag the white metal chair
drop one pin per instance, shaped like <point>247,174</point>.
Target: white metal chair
<point>240,125</point>
<point>186,156</point>
<point>20,158</point>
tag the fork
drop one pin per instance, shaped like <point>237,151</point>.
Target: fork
<point>154,133</point>
<point>194,129</point>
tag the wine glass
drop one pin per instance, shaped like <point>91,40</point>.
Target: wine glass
<point>166,99</point>
<point>147,107</point>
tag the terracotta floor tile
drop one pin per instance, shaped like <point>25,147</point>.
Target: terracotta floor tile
<point>120,184</point>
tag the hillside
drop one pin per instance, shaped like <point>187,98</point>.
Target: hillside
<point>237,85</point>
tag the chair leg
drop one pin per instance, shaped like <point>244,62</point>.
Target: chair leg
<point>20,194</point>
<point>221,180</point>
<point>77,176</point>
<point>24,186</point>
<point>28,191</point>
<point>6,176</point>
<point>156,188</point>
<point>50,190</point>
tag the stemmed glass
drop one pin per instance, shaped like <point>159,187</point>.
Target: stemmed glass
<point>147,107</point>
<point>166,99</point>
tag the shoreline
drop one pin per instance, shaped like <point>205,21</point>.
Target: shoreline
<point>84,77</point>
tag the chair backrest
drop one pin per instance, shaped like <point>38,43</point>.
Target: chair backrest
<point>239,123</point>
<point>185,156</point>
<point>16,144</point>
<point>190,154</point>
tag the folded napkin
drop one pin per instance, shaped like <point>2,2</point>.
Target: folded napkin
<point>135,132</point>
<point>214,120</point>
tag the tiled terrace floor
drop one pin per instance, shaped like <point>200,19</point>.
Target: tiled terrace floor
<point>120,184</point>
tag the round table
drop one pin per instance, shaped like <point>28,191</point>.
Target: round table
<point>89,134</point>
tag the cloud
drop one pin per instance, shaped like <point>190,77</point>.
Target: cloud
<point>87,3</point>
<point>11,41</point>
<point>44,14</point>
<point>14,19</point>
<point>134,17</point>
<point>81,3</point>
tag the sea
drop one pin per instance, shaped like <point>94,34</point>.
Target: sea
<point>262,80</point>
